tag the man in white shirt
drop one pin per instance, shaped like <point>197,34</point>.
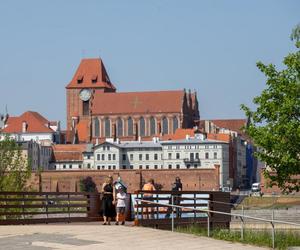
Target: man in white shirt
<point>121,206</point>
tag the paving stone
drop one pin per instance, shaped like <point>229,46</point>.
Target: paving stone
<point>95,236</point>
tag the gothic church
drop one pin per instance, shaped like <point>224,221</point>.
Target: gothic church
<point>95,110</point>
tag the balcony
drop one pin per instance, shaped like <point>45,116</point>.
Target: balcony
<point>191,160</point>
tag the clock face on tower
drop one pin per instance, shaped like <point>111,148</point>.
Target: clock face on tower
<point>85,95</point>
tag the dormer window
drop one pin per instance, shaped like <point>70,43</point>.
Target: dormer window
<point>94,78</point>
<point>80,79</point>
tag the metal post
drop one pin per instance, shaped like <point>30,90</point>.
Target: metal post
<point>172,199</point>
<point>208,225</point>
<point>47,206</point>
<point>23,207</point>
<point>242,223</point>
<point>273,230</point>
<point>69,208</point>
<point>157,208</point>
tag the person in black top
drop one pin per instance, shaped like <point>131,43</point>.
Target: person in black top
<point>176,186</point>
<point>107,201</point>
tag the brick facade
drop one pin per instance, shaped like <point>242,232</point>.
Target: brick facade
<point>68,181</point>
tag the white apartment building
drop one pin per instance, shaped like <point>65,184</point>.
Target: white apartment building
<point>30,126</point>
<point>177,154</point>
<point>128,155</point>
<point>197,153</point>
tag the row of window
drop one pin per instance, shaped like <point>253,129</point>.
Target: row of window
<point>141,158</point>
<point>155,157</point>
<point>113,167</point>
<point>170,166</point>
<point>109,157</point>
<point>141,126</point>
<point>70,166</point>
<point>192,156</point>
<point>170,147</point>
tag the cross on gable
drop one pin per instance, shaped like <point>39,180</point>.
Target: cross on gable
<point>136,102</point>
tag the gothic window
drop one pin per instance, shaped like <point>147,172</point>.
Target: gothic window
<point>119,127</point>
<point>107,127</point>
<point>96,127</point>
<point>165,126</point>
<point>85,107</point>
<point>142,126</point>
<point>152,126</point>
<point>175,123</point>
<point>130,126</point>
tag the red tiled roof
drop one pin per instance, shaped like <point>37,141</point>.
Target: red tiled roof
<point>180,134</point>
<point>232,124</point>
<point>88,70</point>
<point>219,137</point>
<point>138,102</point>
<point>36,123</point>
<point>68,152</point>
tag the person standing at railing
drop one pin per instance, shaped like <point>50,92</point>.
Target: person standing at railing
<point>149,186</point>
<point>108,207</point>
<point>121,205</point>
<point>176,187</point>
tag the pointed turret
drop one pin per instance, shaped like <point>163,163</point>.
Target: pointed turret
<point>91,73</point>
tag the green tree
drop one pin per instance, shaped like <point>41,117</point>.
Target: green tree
<point>14,167</point>
<point>275,124</point>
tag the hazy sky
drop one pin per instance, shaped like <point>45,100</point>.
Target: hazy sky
<point>210,46</point>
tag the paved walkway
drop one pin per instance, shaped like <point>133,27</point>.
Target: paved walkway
<point>96,236</point>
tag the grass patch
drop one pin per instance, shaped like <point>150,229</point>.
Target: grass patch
<point>282,202</point>
<point>283,239</point>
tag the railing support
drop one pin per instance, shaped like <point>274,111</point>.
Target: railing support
<point>172,200</point>
<point>242,223</point>
<point>208,225</point>
<point>273,230</point>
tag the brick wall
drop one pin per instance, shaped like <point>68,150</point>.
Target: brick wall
<point>68,181</point>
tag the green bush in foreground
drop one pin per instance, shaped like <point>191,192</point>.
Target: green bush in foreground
<point>283,239</point>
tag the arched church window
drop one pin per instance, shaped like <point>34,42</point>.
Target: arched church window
<point>175,123</point>
<point>119,127</point>
<point>142,126</point>
<point>130,126</point>
<point>96,127</point>
<point>152,126</point>
<point>165,125</point>
<point>107,127</point>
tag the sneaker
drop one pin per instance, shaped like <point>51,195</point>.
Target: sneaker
<point>117,223</point>
<point>123,222</point>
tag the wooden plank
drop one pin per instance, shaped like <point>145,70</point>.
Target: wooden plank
<point>44,206</point>
<point>41,213</point>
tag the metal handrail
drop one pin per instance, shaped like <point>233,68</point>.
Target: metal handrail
<point>242,217</point>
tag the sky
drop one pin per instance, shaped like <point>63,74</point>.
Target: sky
<point>208,46</point>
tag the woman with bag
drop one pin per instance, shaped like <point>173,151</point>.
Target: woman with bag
<point>108,207</point>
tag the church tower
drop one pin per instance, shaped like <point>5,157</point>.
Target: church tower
<point>90,77</point>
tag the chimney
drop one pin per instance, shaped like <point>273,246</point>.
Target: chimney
<point>24,126</point>
<point>97,141</point>
<point>139,139</point>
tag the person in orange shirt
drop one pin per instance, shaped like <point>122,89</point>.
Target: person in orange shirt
<point>149,186</point>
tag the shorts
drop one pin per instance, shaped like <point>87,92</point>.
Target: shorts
<point>121,210</point>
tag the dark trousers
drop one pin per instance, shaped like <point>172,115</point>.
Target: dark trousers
<point>176,201</point>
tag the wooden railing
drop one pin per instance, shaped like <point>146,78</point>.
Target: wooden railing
<point>48,207</point>
<point>160,215</point>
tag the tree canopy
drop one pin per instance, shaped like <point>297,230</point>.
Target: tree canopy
<point>275,124</point>
<point>14,166</point>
